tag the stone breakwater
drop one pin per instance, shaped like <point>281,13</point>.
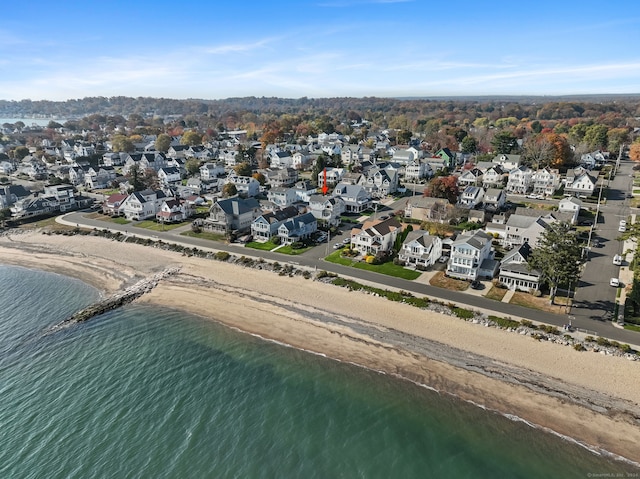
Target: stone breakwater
<point>116,300</point>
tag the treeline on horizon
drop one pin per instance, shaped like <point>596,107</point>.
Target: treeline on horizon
<point>455,110</point>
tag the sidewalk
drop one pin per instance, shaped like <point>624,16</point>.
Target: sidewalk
<point>625,275</point>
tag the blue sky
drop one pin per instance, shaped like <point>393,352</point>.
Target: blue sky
<point>322,48</point>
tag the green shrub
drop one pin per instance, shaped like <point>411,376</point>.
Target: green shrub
<point>579,347</point>
<point>221,256</point>
<point>504,322</point>
<point>463,313</point>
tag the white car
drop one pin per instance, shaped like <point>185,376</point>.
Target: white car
<point>615,282</point>
<point>443,259</point>
<point>617,260</point>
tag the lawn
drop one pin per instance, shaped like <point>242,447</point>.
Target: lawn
<point>268,246</point>
<point>542,303</point>
<point>289,250</point>
<point>496,293</point>
<point>155,226</point>
<point>441,281</point>
<point>388,268</point>
<point>204,235</point>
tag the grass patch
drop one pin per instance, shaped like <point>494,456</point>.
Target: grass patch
<point>155,226</point>
<point>441,281</point>
<point>119,221</point>
<point>291,251</point>
<point>268,246</point>
<point>204,235</point>
<point>496,293</point>
<point>542,303</point>
<point>632,327</point>
<point>388,268</point>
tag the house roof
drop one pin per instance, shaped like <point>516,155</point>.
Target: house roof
<point>378,227</point>
<point>237,205</point>
<point>477,239</point>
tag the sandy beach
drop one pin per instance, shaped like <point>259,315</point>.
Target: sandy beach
<point>593,398</point>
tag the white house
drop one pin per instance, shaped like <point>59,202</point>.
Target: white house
<point>211,171</point>
<point>579,183</point>
<point>282,197</point>
<point>265,226</point>
<point>494,177</point>
<point>375,236</point>
<point>169,175</point>
<point>494,199</point>
<point>520,180</point>
<point>333,175</point>
<point>356,198</point>
<point>471,197</point>
<point>508,162</point>
<point>515,272</point>
<point>420,249</point>
<point>471,256</point>
<point>525,229</point>
<point>546,181</point>
<point>570,205</point>
<point>141,205</point>
<point>471,177</point>
<point>327,209</point>
<point>173,211</point>
<point>245,185</point>
<point>417,170</point>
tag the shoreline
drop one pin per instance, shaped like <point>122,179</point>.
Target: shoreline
<point>586,397</point>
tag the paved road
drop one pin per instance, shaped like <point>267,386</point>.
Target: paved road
<point>312,260</point>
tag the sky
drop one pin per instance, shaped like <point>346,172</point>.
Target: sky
<point>209,49</point>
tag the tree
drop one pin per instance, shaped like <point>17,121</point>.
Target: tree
<point>243,169</point>
<point>443,187</point>
<point>163,142</point>
<point>469,144</point>
<point>634,151</point>
<point>135,177</point>
<point>596,137</point>
<point>20,152</point>
<point>504,142</point>
<point>318,166</point>
<point>557,257</point>
<point>192,165</point>
<point>617,137</point>
<point>122,143</point>
<point>538,151</point>
<point>260,178</point>
<point>229,189</point>
<point>191,138</point>
<point>404,137</point>
<point>5,214</point>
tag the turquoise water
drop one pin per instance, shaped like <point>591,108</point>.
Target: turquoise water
<point>143,392</point>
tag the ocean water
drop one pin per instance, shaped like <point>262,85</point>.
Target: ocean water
<point>143,392</point>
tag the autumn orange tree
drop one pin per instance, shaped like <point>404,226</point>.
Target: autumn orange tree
<point>443,187</point>
<point>634,151</point>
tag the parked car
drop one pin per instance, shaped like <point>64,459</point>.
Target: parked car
<point>615,282</point>
<point>476,285</point>
<point>617,260</point>
<point>443,259</point>
<point>338,246</point>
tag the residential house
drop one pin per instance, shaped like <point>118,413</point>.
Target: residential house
<point>351,154</point>
<point>300,159</point>
<point>112,204</point>
<point>424,208</point>
<point>245,185</point>
<point>281,159</point>
<point>494,177</point>
<point>579,183</point>
<point>405,156</point>
<point>572,206</point>
<point>173,211</point>
<point>265,226</point>
<point>333,176</point>
<point>507,162</point>
<point>515,272</point>
<point>417,170</point>
<point>141,205</point>
<point>297,228</point>
<point>472,256</point>
<point>232,215</point>
<point>327,209</point>
<point>471,177</point>
<point>212,171</point>
<point>525,229</point>
<point>304,190</point>
<point>447,156</point>
<point>281,197</point>
<point>546,181</point>
<point>169,176</point>
<point>6,167</point>
<point>494,199</point>
<point>10,194</point>
<point>356,198</point>
<point>471,197</point>
<point>99,177</point>
<point>64,194</point>
<point>592,159</point>
<point>35,206</point>
<point>420,249</point>
<point>380,182</point>
<point>376,236</point>
<point>520,180</point>
<point>281,177</point>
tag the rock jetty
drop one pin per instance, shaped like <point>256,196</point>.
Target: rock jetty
<point>116,300</point>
